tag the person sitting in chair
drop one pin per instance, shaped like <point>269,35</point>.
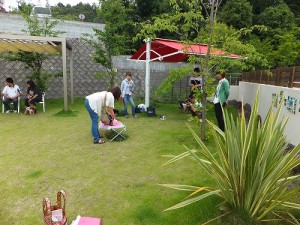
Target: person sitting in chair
<point>34,94</point>
<point>191,105</point>
<point>11,93</point>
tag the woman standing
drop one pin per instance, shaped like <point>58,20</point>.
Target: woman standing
<point>127,86</point>
<point>93,104</point>
<point>34,94</point>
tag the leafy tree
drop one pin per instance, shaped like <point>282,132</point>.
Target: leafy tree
<point>188,24</point>
<point>68,12</point>
<point>277,18</point>
<point>185,21</point>
<point>113,40</point>
<point>33,60</point>
<point>287,52</point>
<point>259,5</point>
<point>295,7</point>
<point>148,8</point>
<point>237,14</point>
<point>2,9</point>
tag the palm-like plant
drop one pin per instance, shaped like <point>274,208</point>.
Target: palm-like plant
<point>250,169</point>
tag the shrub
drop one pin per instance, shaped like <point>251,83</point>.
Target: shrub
<point>251,173</point>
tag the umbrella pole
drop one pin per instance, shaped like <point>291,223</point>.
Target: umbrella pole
<point>147,78</point>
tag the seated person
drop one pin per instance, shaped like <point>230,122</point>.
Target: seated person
<point>11,92</point>
<point>195,81</point>
<point>34,94</point>
<point>191,105</point>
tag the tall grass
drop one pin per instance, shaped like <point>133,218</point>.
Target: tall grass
<point>249,167</point>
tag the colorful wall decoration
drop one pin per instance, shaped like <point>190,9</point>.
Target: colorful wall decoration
<point>290,102</point>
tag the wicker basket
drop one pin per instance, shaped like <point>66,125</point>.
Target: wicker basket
<point>55,214</point>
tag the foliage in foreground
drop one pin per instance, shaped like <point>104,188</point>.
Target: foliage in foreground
<point>250,169</point>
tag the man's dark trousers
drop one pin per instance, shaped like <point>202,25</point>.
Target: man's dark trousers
<point>219,116</point>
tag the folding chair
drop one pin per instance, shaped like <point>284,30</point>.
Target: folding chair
<point>19,100</point>
<point>117,129</point>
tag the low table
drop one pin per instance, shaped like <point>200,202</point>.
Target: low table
<point>117,129</point>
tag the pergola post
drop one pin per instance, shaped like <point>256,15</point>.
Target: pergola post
<point>65,80</point>
<point>147,77</point>
<point>71,77</point>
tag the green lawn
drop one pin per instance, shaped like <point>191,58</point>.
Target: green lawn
<point>117,181</point>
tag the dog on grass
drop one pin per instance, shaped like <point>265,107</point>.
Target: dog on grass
<point>30,110</point>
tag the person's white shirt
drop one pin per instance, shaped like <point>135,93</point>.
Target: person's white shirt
<point>216,95</point>
<point>11,91</point>
<point>96,101</point>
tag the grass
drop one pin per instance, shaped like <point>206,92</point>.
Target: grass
<point>117,181</point>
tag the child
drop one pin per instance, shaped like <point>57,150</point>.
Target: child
<point>191,106</point>
<point>30,110</point>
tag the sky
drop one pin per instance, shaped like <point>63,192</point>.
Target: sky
<point>14,4</point>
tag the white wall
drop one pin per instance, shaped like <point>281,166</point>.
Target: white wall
<point>234,92</point>
<point>247,92</point>
<point>14,24</point>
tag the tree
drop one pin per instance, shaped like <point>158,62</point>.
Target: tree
<point>237,14</point>
<point>186,22</point>
<point>287,52</point>
<point>148,8</point>
<point>277,18</point>
<point>68,12</point>
<point>2,9</point>
<point>295,7</point>
<point>33,60</point>
<point>113,40</point>
<point>259,5</point>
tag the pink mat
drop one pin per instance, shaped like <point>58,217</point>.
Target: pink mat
<point>116,124</point>
<point>89,221</point>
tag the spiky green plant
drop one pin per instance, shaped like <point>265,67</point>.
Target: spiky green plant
<point>250,170</point>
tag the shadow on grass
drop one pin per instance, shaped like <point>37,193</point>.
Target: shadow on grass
<point>68,113</point>
<point>107,134</point>
<point>34,174</point>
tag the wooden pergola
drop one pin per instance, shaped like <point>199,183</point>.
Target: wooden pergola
<point>42,45</point>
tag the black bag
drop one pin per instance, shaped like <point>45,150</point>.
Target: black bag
<point>137,109</point>
<point>151,111</point>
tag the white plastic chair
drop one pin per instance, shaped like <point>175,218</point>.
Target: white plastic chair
<point>19,100</point>
<point>43,102</point>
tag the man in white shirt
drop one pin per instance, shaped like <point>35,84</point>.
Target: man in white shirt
<point>11,93</point>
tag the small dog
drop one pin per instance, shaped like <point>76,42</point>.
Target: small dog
<point>30,110</point>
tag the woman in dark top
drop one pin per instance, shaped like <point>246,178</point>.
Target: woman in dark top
<point>33,94</point>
